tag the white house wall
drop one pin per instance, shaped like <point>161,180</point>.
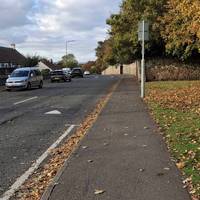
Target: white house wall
<point>42,66</point>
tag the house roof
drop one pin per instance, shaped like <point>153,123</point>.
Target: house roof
<point>10,55</point>
<point>50,64</point>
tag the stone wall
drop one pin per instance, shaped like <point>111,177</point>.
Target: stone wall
<point>168,69</point>
<point>159,70</point>
<point>130,69</point>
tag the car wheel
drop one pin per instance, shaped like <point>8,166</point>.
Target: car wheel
<point>28,86</point>
<point>41,84</point>
<point>8,89</point>
<point>52,81</point>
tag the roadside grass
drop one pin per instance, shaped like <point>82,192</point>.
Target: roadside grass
<point>161,85</point>
<point>176,110</point>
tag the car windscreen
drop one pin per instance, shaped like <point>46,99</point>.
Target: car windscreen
<point>76,71</point>
<point>57,73</point>
<point>20,73</point>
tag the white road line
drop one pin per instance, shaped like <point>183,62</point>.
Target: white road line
<point>25,100</point>
<point>19,182</point>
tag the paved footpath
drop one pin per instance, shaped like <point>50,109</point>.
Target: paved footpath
<point>129,159</point>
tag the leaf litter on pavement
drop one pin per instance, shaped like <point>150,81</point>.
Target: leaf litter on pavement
<point>175,105</point>
<point>97,192</point>
<point>37,183</point>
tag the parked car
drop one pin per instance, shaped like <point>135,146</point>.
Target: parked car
<point>77,72</point>
<point>67,70</point>
<point>86,73</point>
<point>25,78</point>
<point>60,75</point>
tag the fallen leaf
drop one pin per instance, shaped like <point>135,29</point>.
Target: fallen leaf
<point>180,165</point>
<point>167,168</point>
<point>97,192</point>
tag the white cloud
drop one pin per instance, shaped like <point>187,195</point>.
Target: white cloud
<point>14,13</point>
<point>43,26</point>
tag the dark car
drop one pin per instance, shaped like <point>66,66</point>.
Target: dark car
<point>60,75</point>
<point>77,72</point>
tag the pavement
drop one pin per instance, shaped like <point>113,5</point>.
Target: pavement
<point>126,158</point>
<point>26,131</point>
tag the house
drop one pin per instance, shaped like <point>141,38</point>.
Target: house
<point>48,65</point>
<point>11,58</point>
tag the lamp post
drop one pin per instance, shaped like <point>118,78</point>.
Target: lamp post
<point>68,41</point>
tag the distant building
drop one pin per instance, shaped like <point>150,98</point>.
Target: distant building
<point>11,58</point>
<point>45,64</point>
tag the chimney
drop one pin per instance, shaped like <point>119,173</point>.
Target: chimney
<point>13,46</point>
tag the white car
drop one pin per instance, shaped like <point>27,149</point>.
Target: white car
<point>67,70</point>
<point>86,73</point>
<point>24,78</point>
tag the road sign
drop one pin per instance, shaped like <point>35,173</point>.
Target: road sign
<point>143,35</point>
<point>146,36</point>
<point>146,31</point>
<point>146,26</point>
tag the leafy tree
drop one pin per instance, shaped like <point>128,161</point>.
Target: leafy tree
<point>124,29</point>
<point>69,61</point>
<point>89,65</point>
<point>105,55</point>
<point>123,47</point>
<point>174,31</point>
<point>31,61</point>
<point>181,28</point>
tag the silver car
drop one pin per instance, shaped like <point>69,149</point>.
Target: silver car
<point>25,78</point>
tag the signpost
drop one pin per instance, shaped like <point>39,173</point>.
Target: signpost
<point>143,35</point>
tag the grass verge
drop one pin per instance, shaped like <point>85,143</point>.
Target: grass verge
<point>175,106</point>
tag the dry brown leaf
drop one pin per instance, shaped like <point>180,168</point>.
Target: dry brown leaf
<point>180,165</point>
<point>97,192</point>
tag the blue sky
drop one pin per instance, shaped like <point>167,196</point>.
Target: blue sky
<point>42,26</point>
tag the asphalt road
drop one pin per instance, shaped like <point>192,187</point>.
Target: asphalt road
<point>26,131</point>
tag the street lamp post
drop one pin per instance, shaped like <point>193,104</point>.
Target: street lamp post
<point>68,41</point>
